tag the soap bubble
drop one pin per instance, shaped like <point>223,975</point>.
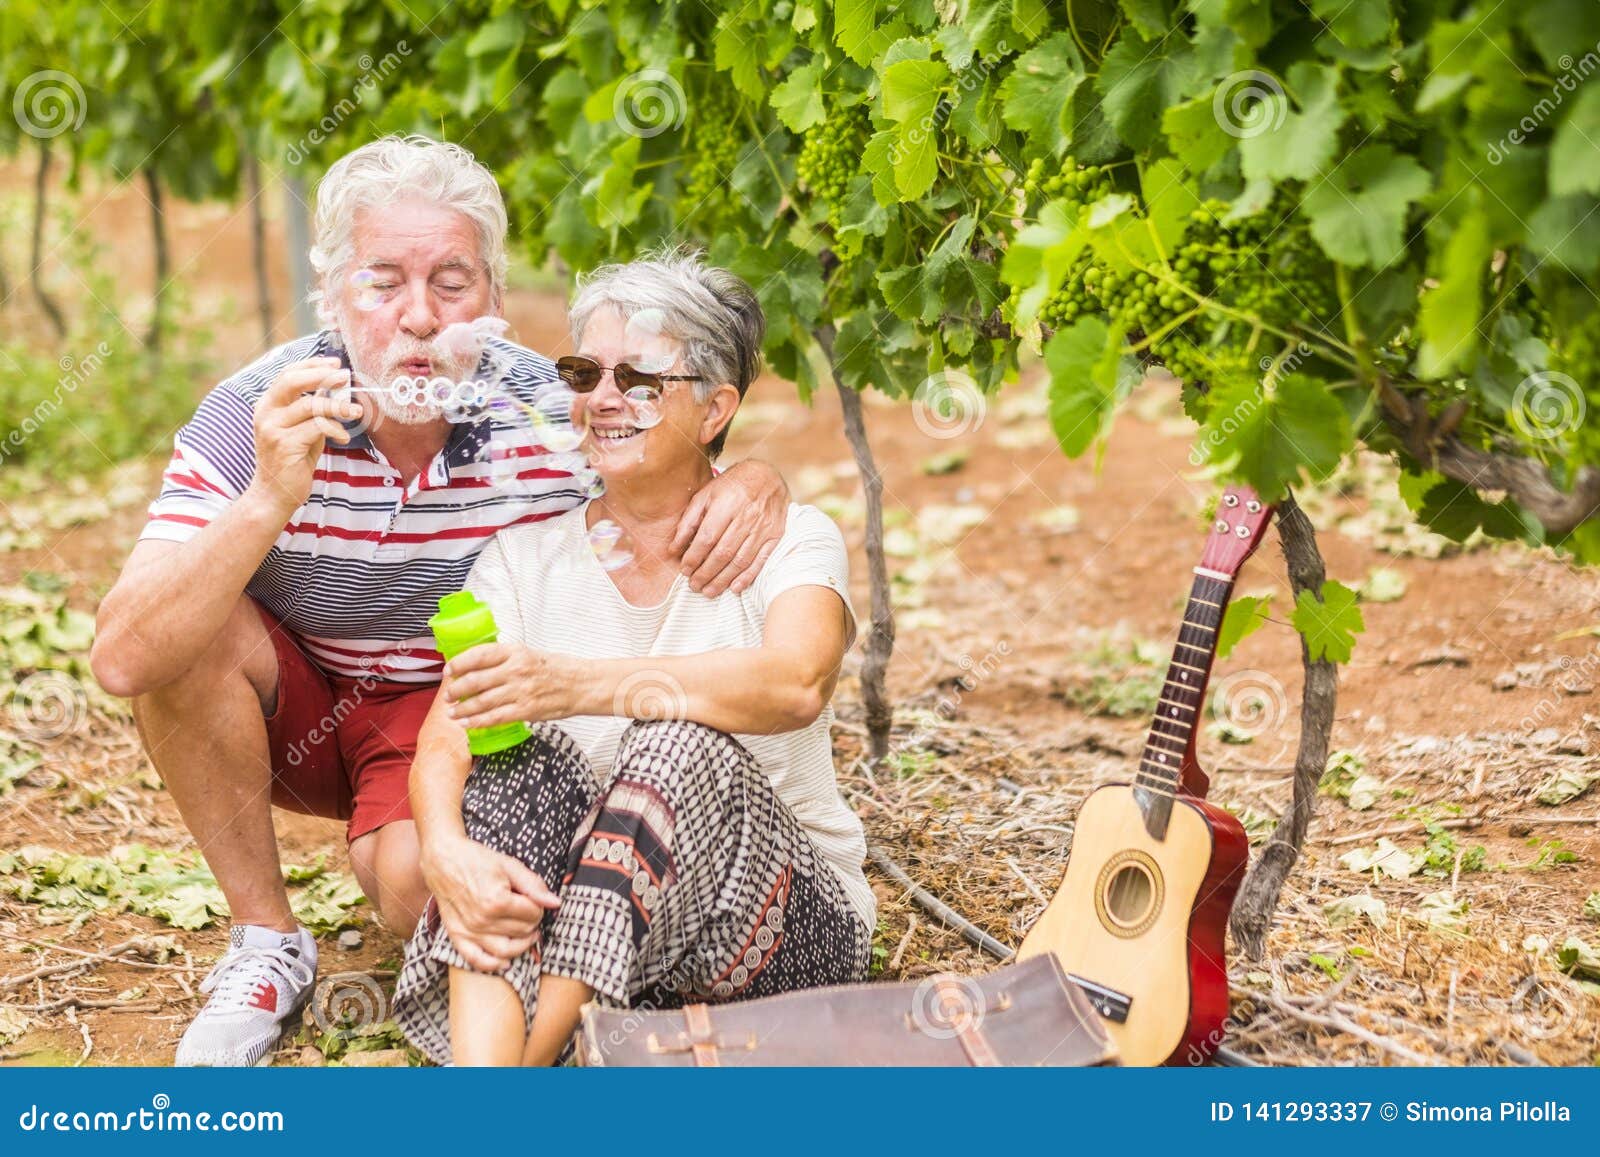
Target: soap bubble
<point>645,405</point>
<point>596,488</point>
<point>610,545</point>
<point>649,347</point>
<point>462,342</point>
<point>502,459</point>
<point>557,425</point>
<point>367,290</point>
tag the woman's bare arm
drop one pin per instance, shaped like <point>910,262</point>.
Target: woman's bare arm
<point>782,685</point>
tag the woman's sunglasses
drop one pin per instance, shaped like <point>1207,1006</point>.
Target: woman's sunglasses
<point>584,374</point>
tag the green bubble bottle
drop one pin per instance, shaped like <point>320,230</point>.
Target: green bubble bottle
<point>464,622</point>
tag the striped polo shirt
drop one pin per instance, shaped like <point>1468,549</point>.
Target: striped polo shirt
<point>359,567</point>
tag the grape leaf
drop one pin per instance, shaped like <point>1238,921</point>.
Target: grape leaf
<point>911,91</point>
<point>1151,17</point>
<point>1138,80</point>
<point>1169,199</point>
<point>735,49</point>
<point>1243,618</point>
<point>1454,510</point>
<point>1358,212</point>
<point>1250,20</point>
<point>1358,23</point>
<point>1084,382</point>
<point>1386,857</point>
<point>911,88</point>
<point>878,158</point>
<point>1039,257</point>
<point>1269,436</point>
<point>1330,624</point>
<point>1036,96</point>
<point>617,200</point>
<point>853,25</point>
<point>1557,27</point>
<point>1277,144</point>
<point>1194,135</point>
<point>1566,231</point>
<point>1450,311</point>
<point>1575,152</point>
<point>798,100</point>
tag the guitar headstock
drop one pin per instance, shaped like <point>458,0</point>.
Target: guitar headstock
<point>1236,531</point>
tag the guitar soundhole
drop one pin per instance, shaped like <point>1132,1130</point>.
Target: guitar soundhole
<point>1128,899</point>
<point>1130,893</point>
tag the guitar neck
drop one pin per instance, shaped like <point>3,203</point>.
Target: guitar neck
<point>1179,711</point>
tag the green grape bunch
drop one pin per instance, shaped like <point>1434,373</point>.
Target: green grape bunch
<point>1078,184</point>
<point>1202,313</point>
<point>714,144</point>
<point>831,156</point>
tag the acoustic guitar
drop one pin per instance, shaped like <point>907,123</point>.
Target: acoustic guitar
<point>1140,919</point>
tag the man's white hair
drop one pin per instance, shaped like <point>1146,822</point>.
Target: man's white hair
<point>395,168</point>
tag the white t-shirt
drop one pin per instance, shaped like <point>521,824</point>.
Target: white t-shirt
<point>548,591</point>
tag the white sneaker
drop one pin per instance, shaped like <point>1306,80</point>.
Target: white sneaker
<point>257,991</point>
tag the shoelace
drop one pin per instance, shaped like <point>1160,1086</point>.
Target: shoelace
<point>235,983</point>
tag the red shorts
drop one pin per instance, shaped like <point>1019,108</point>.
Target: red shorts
<point>341,747</point>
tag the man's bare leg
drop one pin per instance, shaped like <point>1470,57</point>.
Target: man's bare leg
<point>388,867</point>
<point>206,733</point>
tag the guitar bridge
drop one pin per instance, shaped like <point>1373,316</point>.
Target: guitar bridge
<point>1108,1002</point>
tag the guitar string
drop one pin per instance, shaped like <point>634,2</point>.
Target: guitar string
<point>1160,767</point>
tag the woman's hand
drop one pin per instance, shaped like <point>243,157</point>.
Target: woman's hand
<point>505,683</point>
<point>491,904</point>
<point>732,526</point>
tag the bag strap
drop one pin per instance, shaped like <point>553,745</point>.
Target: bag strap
<point>968,1027</point>
<point>702,1040</point>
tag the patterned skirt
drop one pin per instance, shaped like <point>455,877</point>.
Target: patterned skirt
<point>682,878</point>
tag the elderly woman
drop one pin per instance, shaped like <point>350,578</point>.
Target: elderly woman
<point>673,830</point>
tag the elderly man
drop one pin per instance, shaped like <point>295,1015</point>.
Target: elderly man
<point>270,624</point>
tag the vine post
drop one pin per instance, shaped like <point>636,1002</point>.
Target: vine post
<point>1258,896</point>
<point>879,645</point>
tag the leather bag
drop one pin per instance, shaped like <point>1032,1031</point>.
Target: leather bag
<point>1027,1013</point>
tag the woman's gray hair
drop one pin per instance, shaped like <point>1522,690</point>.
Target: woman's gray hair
<point>712,313</point>
<point>396,168</point>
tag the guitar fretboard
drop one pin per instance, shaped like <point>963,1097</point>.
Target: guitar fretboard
<point>1179,712</point>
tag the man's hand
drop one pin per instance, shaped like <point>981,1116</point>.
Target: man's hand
<point>491,904</point>
<point>496,683</point>
<point>732,527</point>
<point>292,421</point>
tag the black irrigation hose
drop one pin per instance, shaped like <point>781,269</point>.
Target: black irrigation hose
<point>938,908</point>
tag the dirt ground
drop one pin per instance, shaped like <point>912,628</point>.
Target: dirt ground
<point>1037,598</point>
